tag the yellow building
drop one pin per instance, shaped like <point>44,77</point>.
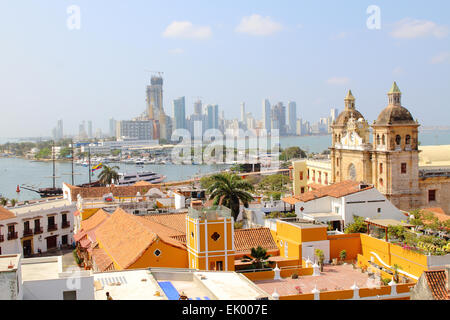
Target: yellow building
<point>310,173</point>
<point>210,238</point>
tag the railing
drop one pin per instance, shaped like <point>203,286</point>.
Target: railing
<point>65,224</point>
<point>27,232</point>
<point>2,238</point>
<point>52,227</point>
<point>12,235</point>
<point>38,230</point>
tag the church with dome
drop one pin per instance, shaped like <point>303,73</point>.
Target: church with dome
<point>390,161</point>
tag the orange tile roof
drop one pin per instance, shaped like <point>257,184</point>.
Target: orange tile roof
<point>6,214</point>
<point>101,259</point>
<point>142,183</point>
<point>438,213</point>
<point>124,237</point>
<point>290,200</point>
<point>437,282</point>
<point>95,220</point>
<point>175,221</point>
<point>246,239</point>
<point>336,190</point>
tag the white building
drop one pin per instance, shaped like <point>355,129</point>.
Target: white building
<point>41,226</point>
<point>339,202</point>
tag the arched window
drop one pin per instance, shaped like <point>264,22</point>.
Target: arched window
<point>398,139</point>
<point>381,168</point>
<point>378,139</point>
<point>408,139</point>
<point>383,140</point>
<point>381,182</point>
<point>352,172</point>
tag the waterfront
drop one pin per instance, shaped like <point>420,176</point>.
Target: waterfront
<point>16,171</point>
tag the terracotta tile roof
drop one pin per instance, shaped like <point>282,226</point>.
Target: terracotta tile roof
<point>79,235</point>
<point>95,220</point>
<point>438,213</point>
<point>437,282</point>
<point>117,191</point>
<point>5,214</point>
<point>85,242</point>
<point>175,221</point>
<point>142,183</point>
<point>336,190</point>
<point>315,186</point>
<point>124,237</point>
<point>102,261</point>
<point>166,234</point>
<point>246,239</point>
<point>290,200</point>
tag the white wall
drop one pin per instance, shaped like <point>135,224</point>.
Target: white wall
<point>52,289</point>
<point>370,209</point>
<point>314,206</point>
<point>180,201</point>
<point>322,245</point>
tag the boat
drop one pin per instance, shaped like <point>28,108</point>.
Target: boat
<point>127,179</point>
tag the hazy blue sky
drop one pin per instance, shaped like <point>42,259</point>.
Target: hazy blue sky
<point>311,52</point>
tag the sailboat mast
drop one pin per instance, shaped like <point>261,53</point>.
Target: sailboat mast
<point>89,156</point>
<point>71,149</point>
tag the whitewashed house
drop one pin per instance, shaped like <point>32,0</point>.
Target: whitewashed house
<point>339,202</point>
<point>37,227</point>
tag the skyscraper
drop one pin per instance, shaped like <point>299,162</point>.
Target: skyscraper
<point>198,107</point>
<point>155,98</point>
<point>266,112</point>
<point>279,118</point>
<point>89,129</point>
<point>112,127</point>
<point>179,113</point>
<point>243,114</point>
<point>292,117</point>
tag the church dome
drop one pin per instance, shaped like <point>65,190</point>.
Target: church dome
<point>395,115</point>
<point>345,115</point>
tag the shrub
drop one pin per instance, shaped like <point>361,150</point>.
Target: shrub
<point>294,276</point>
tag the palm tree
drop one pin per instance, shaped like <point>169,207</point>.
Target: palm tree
<point>229,190</point>
<point>258,257</point>
<point>108,175</point>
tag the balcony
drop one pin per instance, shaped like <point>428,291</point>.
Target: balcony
<point>12,235</point>
<point>52,227</point>
<point>27,232</point>
<point>2,238</point>
<point>38,230</point>
<point>65,224</point>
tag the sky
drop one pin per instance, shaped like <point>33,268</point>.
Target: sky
<point>226,52</point>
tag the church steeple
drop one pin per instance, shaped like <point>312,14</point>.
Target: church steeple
<point>395,95</point>
<point>349,101</point>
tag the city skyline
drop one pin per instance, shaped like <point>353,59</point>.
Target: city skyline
<point>100,69</point>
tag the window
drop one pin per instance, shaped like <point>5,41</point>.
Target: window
<point>381,168</point>
<point>157,252</point>
<point>192,234</point>
<point>378,139</point>
<point>381,182</point>
<point>336,210</point>
<point>302,190</point>
<point>301,175</point>
<point>379,210</point>
<point>215,236</point>
<point>408,139</point>
<point>431,195</point>
<point>70,295</point>
<point>398,139</point>
<point>403,168</point>
<point>326,178</point>
<point>383,140</point>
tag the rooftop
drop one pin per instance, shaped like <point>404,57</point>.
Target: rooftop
<point>127,285</point>
<point>9,260</point>
<point>45,205</point>
<point>336,190</point>
<point>340,277</point>
<point>437,282</point>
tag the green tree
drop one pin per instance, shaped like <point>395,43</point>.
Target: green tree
<point>258,257</point>
<point>320,258</point>
<point>108,175</point>
<point>343,255</point>
<point>274,182</point>
<point>292,153</point>
<point>44,153</point>
<point>230,189</point>
<point>65,152</point>
<point>358,225</point>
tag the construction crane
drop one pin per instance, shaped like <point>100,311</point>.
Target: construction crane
<point>160,73</point>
